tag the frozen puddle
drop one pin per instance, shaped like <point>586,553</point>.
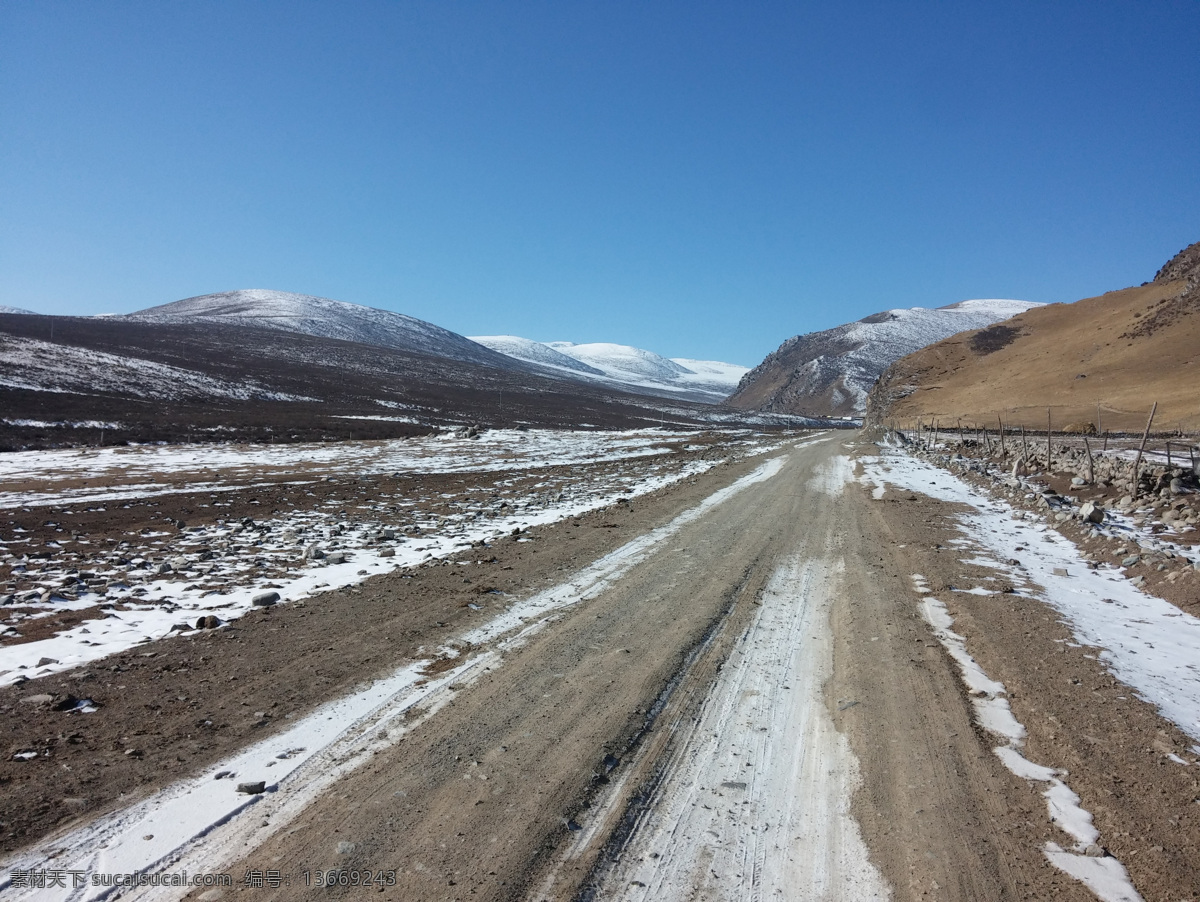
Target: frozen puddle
<point>193,825</point>
<point>755,804</point>
<point>1103,875</point>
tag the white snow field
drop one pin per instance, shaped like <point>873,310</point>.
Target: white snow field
<point>199,825</point>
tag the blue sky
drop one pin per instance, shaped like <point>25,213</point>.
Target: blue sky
<point>700,179</point>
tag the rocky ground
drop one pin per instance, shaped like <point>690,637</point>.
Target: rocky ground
<point>829,670</point>
<point>1148,528</point>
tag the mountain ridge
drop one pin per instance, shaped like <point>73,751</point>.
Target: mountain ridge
<point>1100,361</point>
<point>830,372</point>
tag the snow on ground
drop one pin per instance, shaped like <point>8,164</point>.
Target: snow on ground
<point>168,581</point>
<point>1102,874</point>
<point>308,315</point>
<point>756,801</point>
<point>1148,643</point>
<point>194,824</point>
<point>42,366</point>
<point>147,470</point>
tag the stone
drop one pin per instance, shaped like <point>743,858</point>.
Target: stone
<point>265,599</point>
<point>164,567</point>
<point>46,662</point>
<point>336,557</point>
<point>313,553</point>
<point>252,789</point>
<point>42,699</point>
<point>387,551</point>
<point>208,622</point>
<point>345,848</point>
<point>1131,560</point>
<point>1090,512</point>
<point>1078,481</point>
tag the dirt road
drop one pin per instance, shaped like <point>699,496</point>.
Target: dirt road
<point>737,692</point>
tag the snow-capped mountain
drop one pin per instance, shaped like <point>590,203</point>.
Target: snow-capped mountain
<point>535,352</point>
<point>4,308</point>
<point>308,315</point>
<point>623,366</point>
<point>830,372</point>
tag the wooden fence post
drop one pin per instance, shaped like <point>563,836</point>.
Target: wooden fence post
<point>1091,466</point>
<point>1137,461</point>
<point>1047,441</point>
<point>1003,453</point>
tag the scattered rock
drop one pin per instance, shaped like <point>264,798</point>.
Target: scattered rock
<point>387,551</point>
<point>345,848</point>
<point>46,662</point>
<point>208,622</point>
<point>1091,512</point>
<point>256,788</point>
<point>42,699</point>
<point>265,599</point>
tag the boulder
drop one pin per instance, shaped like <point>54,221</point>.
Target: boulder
<point>1091,512</point>
<point>265,599</point>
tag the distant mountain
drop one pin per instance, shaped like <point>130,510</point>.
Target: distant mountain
<point>830,373</point>
<point>325,318</point>
<point>630,368</point>
<point>535,352</point>
<point>4,308</point>
<point>1118,352</point>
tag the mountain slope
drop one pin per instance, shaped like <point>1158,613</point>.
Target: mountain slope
<point>535,352</point>
<point>829,373</point>
<point>1122,350</point>
<point>624,366</point>
<point>325,318</point>
<point>4,308</point>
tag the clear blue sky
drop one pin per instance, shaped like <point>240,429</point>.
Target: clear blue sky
<point>700,179</point>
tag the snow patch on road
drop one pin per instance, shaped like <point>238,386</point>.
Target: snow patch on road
<point>1148,644</point>
<point>756,802</point>
<point>193,824</point>
<point>1103,875</point>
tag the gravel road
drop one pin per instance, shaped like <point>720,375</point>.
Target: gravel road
<point>728,690</point>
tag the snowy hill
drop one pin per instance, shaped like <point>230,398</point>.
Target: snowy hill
<point>623,366</point>
<point>308,315</point>
<point>4,308</point>
<point>830,372</point>
<point>535,352</point>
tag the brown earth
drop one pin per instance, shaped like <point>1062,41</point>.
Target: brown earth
<point>1113,745</point>
<point>477,801</point>
<point>1120,352</point>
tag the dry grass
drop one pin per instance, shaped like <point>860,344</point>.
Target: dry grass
<point>1066,357</point>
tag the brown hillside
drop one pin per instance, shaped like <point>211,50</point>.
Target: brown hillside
<point>1122,350</point>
